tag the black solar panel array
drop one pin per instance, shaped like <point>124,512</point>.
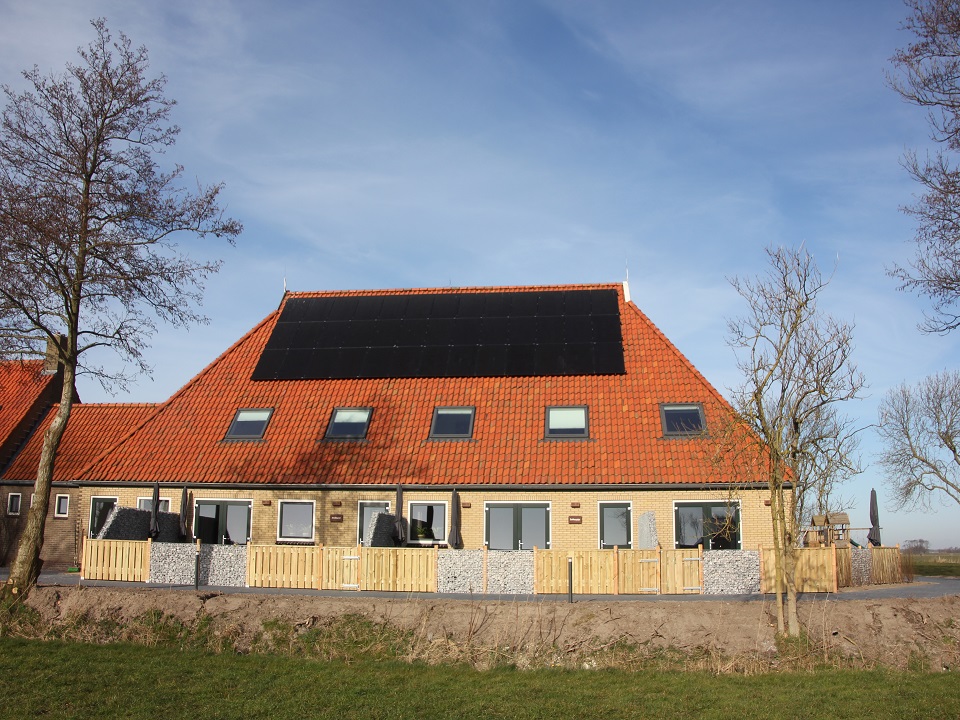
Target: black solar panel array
<point>500,334</point>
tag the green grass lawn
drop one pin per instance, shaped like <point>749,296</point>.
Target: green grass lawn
<point>940,564</point>
<point>63,680</point>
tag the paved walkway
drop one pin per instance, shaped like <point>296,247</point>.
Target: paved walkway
<point>922,587</point>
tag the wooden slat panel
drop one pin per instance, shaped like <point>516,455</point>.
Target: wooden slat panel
<point>815,570</point>
<point>885,565</point>
<point>283,566</point>
<point>124,560</point>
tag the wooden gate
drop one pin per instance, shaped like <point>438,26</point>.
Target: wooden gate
<point>681,571</point>
<point>341,568</point>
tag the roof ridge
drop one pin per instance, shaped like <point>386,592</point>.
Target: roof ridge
<point>450,290</point>
<point>161,407</point>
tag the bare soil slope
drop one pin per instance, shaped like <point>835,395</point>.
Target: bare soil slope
<point>897,633</point>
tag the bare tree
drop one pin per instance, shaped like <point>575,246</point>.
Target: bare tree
<point>920,427</point>
<point>88,223</point>
<point>928,75</point>
<point>797,369</point>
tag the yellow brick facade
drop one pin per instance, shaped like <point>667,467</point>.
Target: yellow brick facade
<point>336,512</point>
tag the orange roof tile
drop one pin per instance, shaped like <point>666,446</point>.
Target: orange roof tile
<point>91,430</point>
<point>183,441</point>
<point>21,385</point>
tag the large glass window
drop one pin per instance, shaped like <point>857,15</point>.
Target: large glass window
<point>367,509</point>
<point>566,422</point>
<point>518,526</point>
<point>13,503</point>
<point>715,525</point>
<point>249,424</point>
<point>100,508</point>
<point>222,522</point>
<point>295,520</point>
<point>452,422</point>
<point>349,423</point>
<point>615,525</point>
<point>680,420</point>
<point>146,503</point>
<point>428,522</point>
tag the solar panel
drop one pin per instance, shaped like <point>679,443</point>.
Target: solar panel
<point>455,334</point>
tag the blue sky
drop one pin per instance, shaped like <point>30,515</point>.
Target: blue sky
<point>389,144</point>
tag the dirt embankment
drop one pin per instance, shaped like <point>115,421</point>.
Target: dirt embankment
<point>919,633</point>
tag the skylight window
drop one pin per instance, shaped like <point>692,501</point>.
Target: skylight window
<point>682,420</point>
<point>452,422</point>
<point>349,424</point>
<point>566,422</point>
<point>249,424</point>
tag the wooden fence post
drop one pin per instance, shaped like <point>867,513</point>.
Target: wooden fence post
<point>146,560</point>
<point>700,553</point>
<point>659,570</point>
<point>616,570</point>
<point>836,575</point>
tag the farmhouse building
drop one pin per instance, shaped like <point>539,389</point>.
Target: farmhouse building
<point>560,415</point>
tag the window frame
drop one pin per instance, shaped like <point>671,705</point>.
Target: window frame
<point>736,505</point>
<point>231,435</point>
<point>437,411</point>
<point>518,506</point>
<point>149,498</point>
<point>225,502</point>
<point>667,407</point>
<point>10,511</point>
<point>330,423</point>
<point>56,506</point>
<point>628,504</point>
<point>313,524</point>
<point>93,499</point>
<point>360,504</point>
<point>555,434</point>
<point>446,522</point>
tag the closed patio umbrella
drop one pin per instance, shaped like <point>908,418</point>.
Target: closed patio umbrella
<point>154,510</point>
<point>454,540</point>
<point>184,501</point>
<point>873,537</point>
<point>401,533</point>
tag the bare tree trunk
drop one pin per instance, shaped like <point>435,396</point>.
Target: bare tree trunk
<point>26,567</point>
<point>778,559</point>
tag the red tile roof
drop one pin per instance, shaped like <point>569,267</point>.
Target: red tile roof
<point>21,385</point>
<point>183,441</point>
<point>91,430</point>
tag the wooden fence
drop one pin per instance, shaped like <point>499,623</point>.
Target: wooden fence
<point>827,569</point>
<point>125,560</point>
<point>618,572</point>
<point>885,566</point>
<point>595,572</point>
<point>284,566</point>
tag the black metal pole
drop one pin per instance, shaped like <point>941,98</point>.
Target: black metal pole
<point>196,568</point>
<point>570,579</point>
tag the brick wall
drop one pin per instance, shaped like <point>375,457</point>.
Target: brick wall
<point>755,516</point>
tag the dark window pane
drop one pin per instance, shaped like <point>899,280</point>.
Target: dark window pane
<point>452,422</point>
<point>427,522</point>
<point>682,420</point>
<point>249,424</point>
<point>501,531</point>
